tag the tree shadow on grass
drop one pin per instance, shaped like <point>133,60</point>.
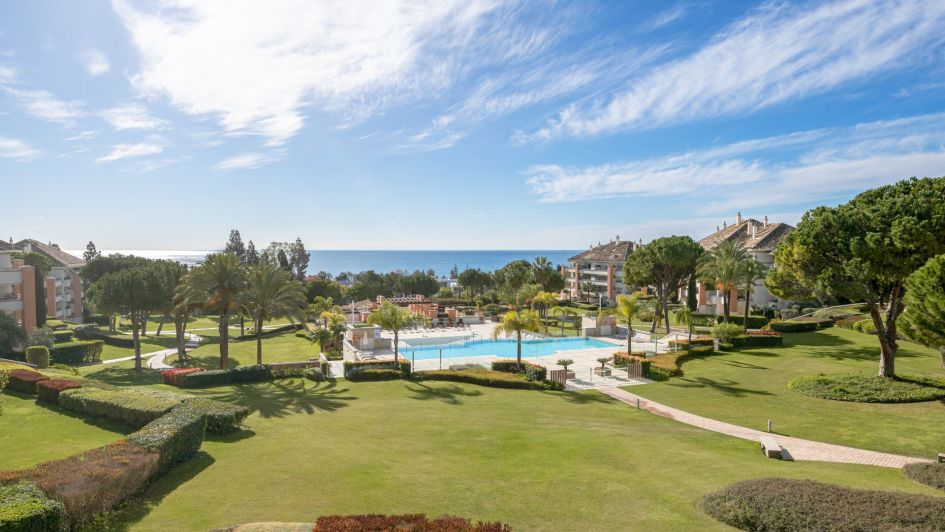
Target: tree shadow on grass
<point>232,437</point>
<point>582,397</point>
<point>126,376</point>
<point>285,397</point>
<point>728,386</point>
<point>102,423</point>
<point>135,509</point>
<point>740,364</point>
<point>450,394</point>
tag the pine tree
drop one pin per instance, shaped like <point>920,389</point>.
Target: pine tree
<point>252,256</point>
<point>235,245</point>
<point>298,259</point>
<point>91,253</point>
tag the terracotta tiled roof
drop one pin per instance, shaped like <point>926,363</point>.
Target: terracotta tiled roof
<point>750,232</point>
<point>58,256</point>
<point>5,246</point>
<point>613,251</point>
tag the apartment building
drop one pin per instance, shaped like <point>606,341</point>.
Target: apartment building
<point>602,267</point>
<point>63,287</point>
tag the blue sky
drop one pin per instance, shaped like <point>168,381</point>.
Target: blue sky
<point>467,124</point>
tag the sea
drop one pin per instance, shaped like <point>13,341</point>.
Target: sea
<point>336,261</point>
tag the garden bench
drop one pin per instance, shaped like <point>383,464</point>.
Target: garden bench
<point>771,447</point>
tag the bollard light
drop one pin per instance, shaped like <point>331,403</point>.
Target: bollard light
<point>770,424</point>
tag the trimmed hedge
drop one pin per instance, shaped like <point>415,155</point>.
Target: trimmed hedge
<point>89,332</point>
<point>62,336</point>
<point>532,372</point>
<point>221,377</point>
<point>696,340</point>
<point>485,377</point>
<point>670,364</point>
<point>859,388</point>
<point>24,380</point>
<point>352,367</point>
<point>269,332</point>
<point>927,473</point>
<point>757,340</point>
<point>222,417</point>
<point>48,390</point>
<point>779,504</point>
<point>175,377</point>
<point>38,355</point>
<point>76,352</point>
<point>794,326</point>
<point>620,359</point>
<point>754,322</point>
<point>24,507</point>
<point>375,374</point>
<point>418,522</point>
<point>822,323</point>
<point>314,374</point>
<point>865,326</point>
<point>176,436</point>
<point>136,407</point>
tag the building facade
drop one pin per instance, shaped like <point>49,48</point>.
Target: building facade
<point>760,238</point>
<point>602,267</point>
<point>63,287</point>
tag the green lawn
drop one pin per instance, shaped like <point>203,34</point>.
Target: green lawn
<point>31,434</point>
<point>285,347</point>
<point>750,387</point>
<point>536,460</point>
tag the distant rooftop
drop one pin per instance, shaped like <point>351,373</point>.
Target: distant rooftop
<point>753,234</point>
<point>614,251</point>
<point>58,256</point>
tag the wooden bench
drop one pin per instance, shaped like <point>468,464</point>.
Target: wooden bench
<point>771,447</point>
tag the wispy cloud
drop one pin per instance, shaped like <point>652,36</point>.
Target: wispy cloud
<point>777,54</point>
<point>95,61</point>
<point>807,166</point>
<point>125,151</point>
<point>247,161</point>
<point>16,149</point>
<point>664,18</point>
<point>42,104</point>
<point>85,135</point>
<point>130,116</point>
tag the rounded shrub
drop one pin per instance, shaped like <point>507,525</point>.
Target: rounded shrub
<point>859,388</point>
<point>865,326</point>
<point>314,374</point>
<point>726,332</point>
<point>38,355</point>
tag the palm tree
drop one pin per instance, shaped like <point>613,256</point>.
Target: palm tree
<point>752,271</point>
<point>335,321</point>
<point>722,268</point>
<point>270,293</point>
<point>516,323</point>
<point>627,309</point>
<point>684,315</point>
<point>563,311</point>
<point>526,295</point>
<point>588,288</point>
<point>395,319</point>
<point>544,301</point>
<point>217,283</point>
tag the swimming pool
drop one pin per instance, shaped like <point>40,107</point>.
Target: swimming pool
<point>504,348</point>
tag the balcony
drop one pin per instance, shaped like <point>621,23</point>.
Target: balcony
<point>10,277</point>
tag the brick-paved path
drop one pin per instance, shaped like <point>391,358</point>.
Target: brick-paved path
<point>797,448</point>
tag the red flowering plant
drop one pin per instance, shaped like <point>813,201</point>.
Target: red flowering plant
<point>762,332</point>
<point>175,377</point>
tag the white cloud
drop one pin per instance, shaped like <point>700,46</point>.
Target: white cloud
<point>130,116</point>
<point>42,104</point>
<point>247,161</point>
<point>256,66</point>
<point>16,149</point>
<point>664,18</point>
<point>7,74</point>
<point>777,54</point>
<point>96,63</point>
<point>125,151</point>
<point>85,135</point>
<point>815,165</point>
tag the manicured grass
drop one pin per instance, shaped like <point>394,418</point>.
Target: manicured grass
<point>749,387</point>
<point>285,347</point>
<point>536,460</point>
<point>861,388</point>
<point>31,433</point>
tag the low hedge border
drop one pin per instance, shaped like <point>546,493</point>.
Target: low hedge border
<point>77,352</point>
<point>221,377</point>
<point>779,504</point>
<point>926,473</point>
<point>90,332</point>
<point>375,374</point>
<point>532,372</point>
<point>859,388</point>
<point>757,340</point>
<point>48,390</point>
<point>23,506</point>
<point>24,380</point>
<point>667,365</point>
<point>352,367</point>
<point>347,523</point>
<point>485,377</point>
<point>176,436</point>
<point>136,407</point>
<point>793,326</point>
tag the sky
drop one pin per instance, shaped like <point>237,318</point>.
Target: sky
<point>454,124</point>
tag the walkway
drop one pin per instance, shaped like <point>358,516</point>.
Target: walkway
<point>797,448</point>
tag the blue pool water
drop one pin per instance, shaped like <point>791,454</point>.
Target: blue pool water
<point>504,348</point>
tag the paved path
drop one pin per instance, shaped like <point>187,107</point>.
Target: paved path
<point>797,448</point>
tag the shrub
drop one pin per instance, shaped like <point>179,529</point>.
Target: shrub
<point>670,364</point>
<point>222,417</point>
<point>758,340</point>
<point>136,407</point>
<point>38,355</point>
<point>375,374</point>
<point>620,358</point>
<point>176,436</point>
<point>56,324</point>
<point>220,377</point>
<point>865,326</point>
<point>532,372</point>
<point>926,473</point>
<point>726,346</point>
<point>703,320</point>
<point>62,336</point>
<point>352,367</point>
<point>406,523</point>
<point>98,319</point>
<point>794,326</point>
<point>726,331</point>
<point>777,504</point>
<point>23,506</point>
<point>848,322</point>
<point>754,322</point>
<point>175,377</point>
<point>24,380</point>
<point>314,374</point>
<point>48,390</point>
<point>696,340</point>
<point>89,332</point>
<point>76,352</point>
<point>485,377</point>
<point>860,388</point>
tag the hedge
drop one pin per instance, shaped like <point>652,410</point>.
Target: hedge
<point>930,474</point>
<point>375,374</point>
<point>758,340</point>
<point>89,332</point>
<point>24,380</point>
<point>532,372</point>
<point>352,367</point>
<point>221,377</point>
<point>754,322</point>
<point>38,355</point>
<point>793,326</point>
<point>136,407</point>
<point>76,352</point>
<point>176,436</point>
<point>222,417</point>
<point>175,377</point>
<point>24,507</point>
<point>865,326</point>
<point>446,523</point>
<point>620,359</point>
<point>485,377</point>
<point>670,364</point>
<point>696,340</point>
<point>314,374</point>
<point>48,390</point>
<point>269,332</point>
<point>98,319</point>
<point>56,325</point>
<point>778,504</point>
<point>62,336</point>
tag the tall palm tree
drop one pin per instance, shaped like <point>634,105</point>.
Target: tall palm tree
<point>270,293</point>
<point>335,321</point>
<point>516,323</point>
<point>684,315</point>
<point>562,311</point>
<point>722,268</point>
<point>218,283</point>
<point>526,295</point>
<point>627,309</point>
<point>544,301</point>
<point>589,288</point>
<point>395,319</point>
<point>752,271</point>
